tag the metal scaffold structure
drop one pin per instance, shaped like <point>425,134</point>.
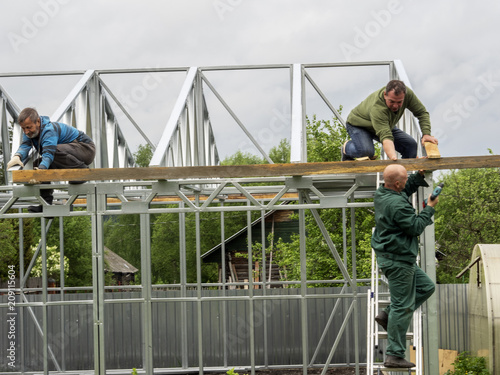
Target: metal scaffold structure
<point>187,327</point>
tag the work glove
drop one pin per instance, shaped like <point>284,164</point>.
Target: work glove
<point>16,160</point>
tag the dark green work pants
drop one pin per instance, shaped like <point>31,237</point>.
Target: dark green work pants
<point>409,287</point>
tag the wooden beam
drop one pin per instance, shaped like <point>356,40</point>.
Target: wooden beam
<point>255,170</point>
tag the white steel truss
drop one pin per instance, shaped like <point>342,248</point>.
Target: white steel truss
<point>188,138</point>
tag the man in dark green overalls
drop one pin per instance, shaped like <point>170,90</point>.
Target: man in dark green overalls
<point>395,241</point>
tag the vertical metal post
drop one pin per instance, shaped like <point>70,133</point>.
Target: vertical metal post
<point>303,283</point>
<point>98,205</point>
<point>251,312</point>
<point>97,122</point>
<point>344,242</point>
<point>198,289</point>
<point>298,142</point>
<point>264,282</point>
<point>4,134</point>
<point>430,321</point>
<point>21,287</point>
<point>182,281</point>
<point>224,287</point>
<point>146,294</point>
<point>44,299</point>
<point>354,288</point>
<point>61,285</point>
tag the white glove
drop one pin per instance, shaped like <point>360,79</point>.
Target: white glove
<point>16,160</point>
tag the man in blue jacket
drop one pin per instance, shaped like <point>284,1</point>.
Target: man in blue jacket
<point>395,242</point>
<point>56,145</point>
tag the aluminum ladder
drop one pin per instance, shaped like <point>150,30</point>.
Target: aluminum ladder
<point>378,298</point>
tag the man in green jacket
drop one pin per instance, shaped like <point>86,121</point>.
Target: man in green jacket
<point>395,242</point>
<point>376,119</point>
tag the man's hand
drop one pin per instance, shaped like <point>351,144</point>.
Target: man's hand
<point>389,149</point>
<point>432,202</point>
<point>429,138</point>
<point>16,160</point>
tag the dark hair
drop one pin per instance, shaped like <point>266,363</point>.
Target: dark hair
<point>398,87</point>
<point>26,113</point>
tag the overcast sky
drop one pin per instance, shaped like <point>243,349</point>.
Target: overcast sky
<point>450,50</point>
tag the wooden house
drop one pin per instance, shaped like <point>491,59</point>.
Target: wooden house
<point>123,271</point>
<point>278,222</point>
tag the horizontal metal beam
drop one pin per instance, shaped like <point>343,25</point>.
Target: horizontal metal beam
<point>255,170</point>
<point>202,68</point>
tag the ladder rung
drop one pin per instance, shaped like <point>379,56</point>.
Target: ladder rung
<point>380,366</point>
<point>383,335</point>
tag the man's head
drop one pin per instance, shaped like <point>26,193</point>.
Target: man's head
<point>394,95</point>
<point>30,122</point>
<point>395,177</point>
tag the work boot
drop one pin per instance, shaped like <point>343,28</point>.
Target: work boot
<point>382,319</point>
<point>397,362</point>
<point>46,194</point>
<point>35,209</point>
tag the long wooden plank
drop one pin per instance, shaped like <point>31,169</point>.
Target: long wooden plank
<point>256,170</point>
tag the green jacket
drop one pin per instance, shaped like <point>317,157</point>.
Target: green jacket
<point>397,225</point>
<point>374,115</point>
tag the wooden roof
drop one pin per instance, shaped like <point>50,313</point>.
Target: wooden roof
<point>116,264</point>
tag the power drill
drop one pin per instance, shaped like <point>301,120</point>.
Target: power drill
<point>435,193</point>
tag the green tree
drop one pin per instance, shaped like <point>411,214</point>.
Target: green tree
<point>77,247</point>
<point>281,153</point>
<point>143,155</point>
<point>325,139</point>
<point>242,158</point>
<point>9,243</point>
<point>53,259</point>
<point>165,244</point>
<point>468,213</point>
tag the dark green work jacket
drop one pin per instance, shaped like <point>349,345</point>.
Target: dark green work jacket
<point>373,114</point>
<point>397,225</point>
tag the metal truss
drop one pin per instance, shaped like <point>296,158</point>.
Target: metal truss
<point>188,140</point>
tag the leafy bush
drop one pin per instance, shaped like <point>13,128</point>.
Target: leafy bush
<point>466,364</point>
<point>231,372</point>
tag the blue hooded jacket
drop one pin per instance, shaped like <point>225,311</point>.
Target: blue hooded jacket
<point>51,134</point>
